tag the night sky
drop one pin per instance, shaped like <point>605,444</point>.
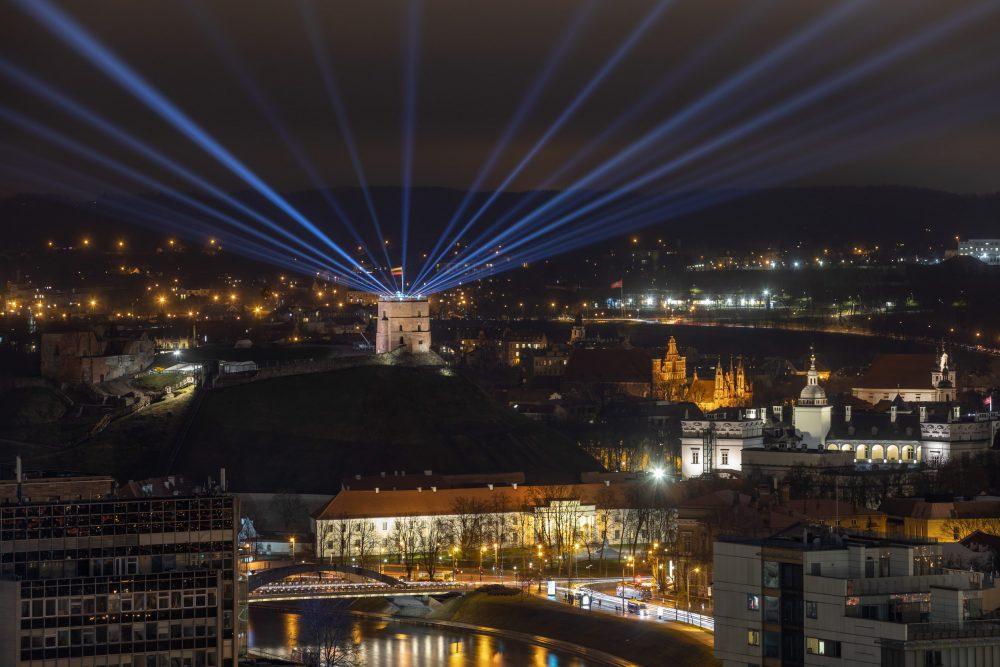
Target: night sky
<point>476,61</point>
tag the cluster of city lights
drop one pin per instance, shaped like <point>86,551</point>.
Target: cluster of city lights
<point>746,132</point>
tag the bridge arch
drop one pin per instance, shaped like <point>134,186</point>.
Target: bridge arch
<point>274,574</point>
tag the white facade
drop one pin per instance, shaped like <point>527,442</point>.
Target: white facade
<point>986,250</point>
<point>725,438</point>
<point>403,323</point>
<point>942,386</point>
<point>826,600</point>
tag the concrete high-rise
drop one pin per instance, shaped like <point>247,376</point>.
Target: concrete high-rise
<point>115,581</point>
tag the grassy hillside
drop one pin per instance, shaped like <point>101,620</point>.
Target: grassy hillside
<point>637,641</point>
<point>305,432</point>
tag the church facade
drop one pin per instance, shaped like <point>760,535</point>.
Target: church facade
<point>728,389</point>
<point>915,378</point>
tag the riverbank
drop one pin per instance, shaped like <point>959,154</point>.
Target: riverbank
<point>636,641</point>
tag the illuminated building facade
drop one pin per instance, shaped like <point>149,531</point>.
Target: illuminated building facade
<point>670,374</point>
<point>985,250</point>
<point>728,389</point>
<point>403,323</point>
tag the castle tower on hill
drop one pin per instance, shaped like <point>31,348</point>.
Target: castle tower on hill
<point>403,323</point>
<point>727,389</point>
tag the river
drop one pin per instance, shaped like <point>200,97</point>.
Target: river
<point>392,644</point>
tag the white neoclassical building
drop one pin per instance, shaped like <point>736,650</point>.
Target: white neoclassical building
<point>717,444</point>
<point>379,521</point>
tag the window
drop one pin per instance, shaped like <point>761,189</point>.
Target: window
<point>694,455</point>
<point>770,574</point>
<point>753,637</point>
<point>725,457</point>
<point>753,602</point>
<point>771,608</point>
<point>811,609</point>
<point>772,644</point>
<point>825,647</point>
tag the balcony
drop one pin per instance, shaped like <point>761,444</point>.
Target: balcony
<point>963,630</point>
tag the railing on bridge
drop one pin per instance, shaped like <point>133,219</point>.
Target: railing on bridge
<point>306,591</point>
<point>648,609</point>
<point>276,574</point>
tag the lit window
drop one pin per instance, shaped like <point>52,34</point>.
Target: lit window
<point>825,647</point>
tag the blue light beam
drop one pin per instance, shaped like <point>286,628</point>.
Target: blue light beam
<point>528,101</point>
<point>64,27</point>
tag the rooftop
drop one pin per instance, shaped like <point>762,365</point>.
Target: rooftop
<point>908,371</point>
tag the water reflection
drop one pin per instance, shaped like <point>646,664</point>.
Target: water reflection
<point>385,644</point>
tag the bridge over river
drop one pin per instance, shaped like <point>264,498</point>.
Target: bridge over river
<point>270,585</point>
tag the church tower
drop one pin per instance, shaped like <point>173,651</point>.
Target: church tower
<point>577,334</point>
<point>720,383</point>
<point>811,418</point>
<point>670,373</point>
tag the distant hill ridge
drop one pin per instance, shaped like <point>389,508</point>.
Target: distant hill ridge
<point>877,213</point>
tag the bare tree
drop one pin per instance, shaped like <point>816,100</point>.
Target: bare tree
<point>406,537</point>
<point>328,640</point>
<point>434,541</point>
<point>470,517</point>
<point>364,540</point>
<point>959,528</point>
<point>289,510</point>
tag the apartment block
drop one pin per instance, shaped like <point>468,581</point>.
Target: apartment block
<point>124,582</point>
<point>813,597</point>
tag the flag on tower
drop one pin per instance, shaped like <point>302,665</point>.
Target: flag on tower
<point>617,284</point>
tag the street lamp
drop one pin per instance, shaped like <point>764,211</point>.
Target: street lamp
<point>539,547</point>
<point>687,581</point>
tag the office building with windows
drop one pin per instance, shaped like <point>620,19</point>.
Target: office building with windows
<point>811,597</point>
<point>124,582</point>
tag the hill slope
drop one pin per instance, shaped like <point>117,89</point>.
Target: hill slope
<point>305,432</point>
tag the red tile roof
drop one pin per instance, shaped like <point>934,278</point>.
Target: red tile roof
<point>906,371</point>
<point>377,504</point>
<point>609,365</point>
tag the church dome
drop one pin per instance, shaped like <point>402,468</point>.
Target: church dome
<point>812,393</point>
